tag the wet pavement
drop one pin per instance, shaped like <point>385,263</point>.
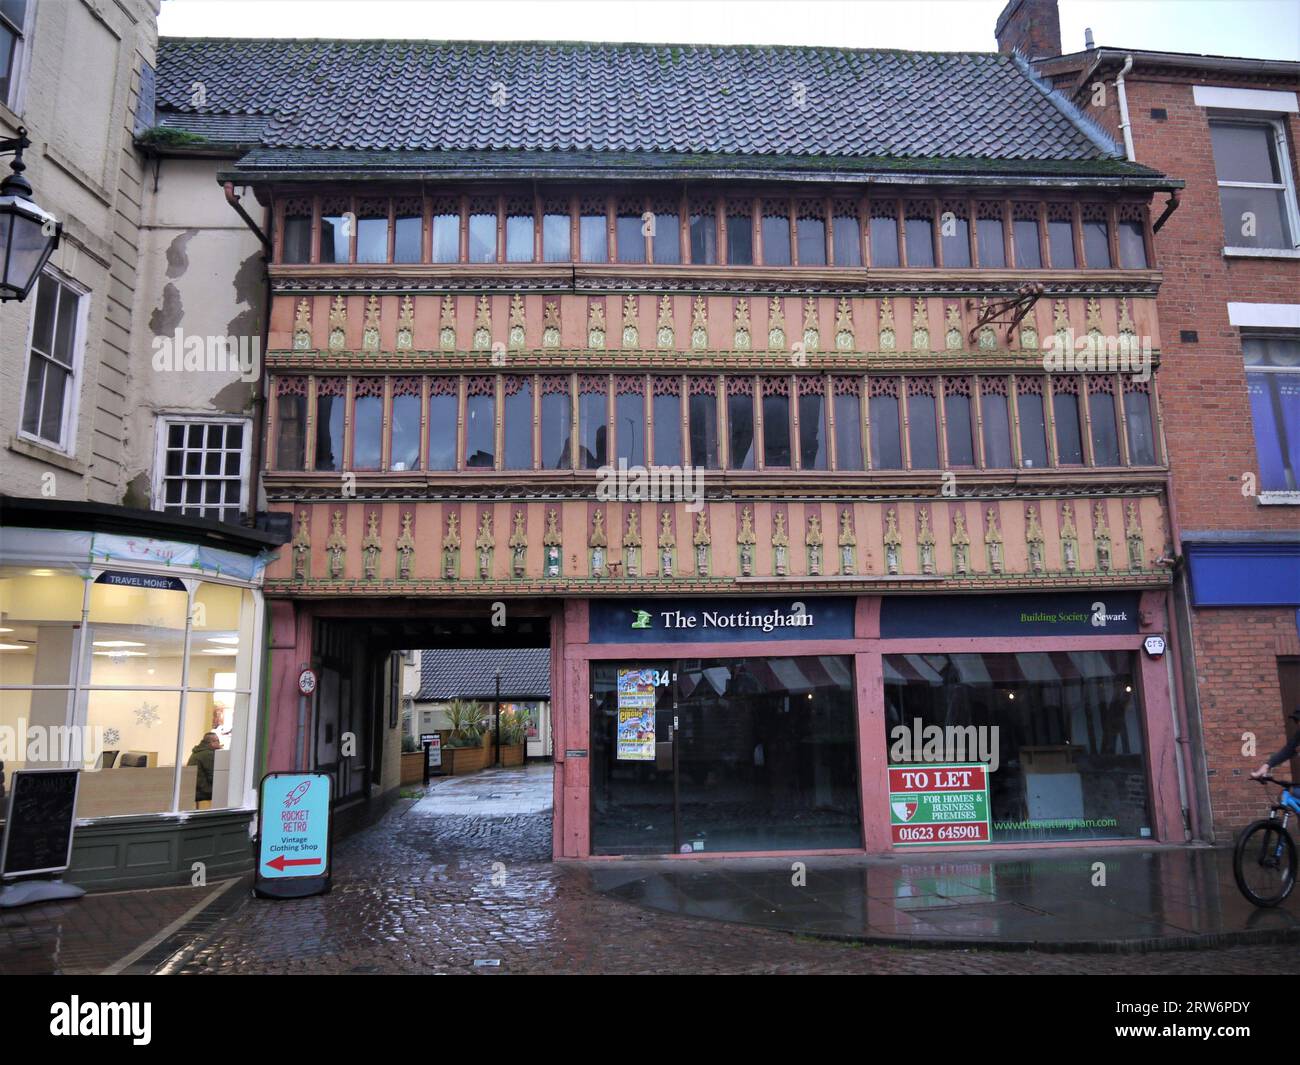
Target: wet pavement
<point>492,793</point>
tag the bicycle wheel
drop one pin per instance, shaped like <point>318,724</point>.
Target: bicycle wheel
<point>1264,863</point>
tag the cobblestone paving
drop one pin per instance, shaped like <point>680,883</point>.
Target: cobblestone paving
<point>423,893</point>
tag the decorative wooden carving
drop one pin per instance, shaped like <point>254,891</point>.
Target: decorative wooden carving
<point>780,544</point>
<point>960,545</point>
<point>451,548</point>
<point>811,333</point>
<point>1101,535</point>
<point>370,547</point>
<point>632,542</point>
<point>745,541</point>
<point>406,325</point>
<point>702,540</point>
<point>920,326</point>
<point>302,326</point>
<point>743,338</point>
<point>952,334</point>
<point>405,549</point>
<point>1069,538</point>
<point>338,324</point>
<point>667,544</point>
<point>551,325</point>
<point>699,324</point>
<point>664,326</point>
<point>893,541</point>
<point>631,331</point>
<point>484,544</point>
<point>370,327</point>
<point>599,543</point>
<point>888,338</point>
<point>447,324</point>
<point>1034,539</point>
<point>551,541</point>
<point>813,542</point>
<point>993,540</point>
<point>483,324</point>
<point>775,325</point>
<point>596,325</point>
<point>844,340</point>
<point>336,545</point>
<point>302,549</point>
<point>925,540</point>
<point>848,543</point>
<point>518,544</point>
<point>1133,534</point>
<point>518,322</point>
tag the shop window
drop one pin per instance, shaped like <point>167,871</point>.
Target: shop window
<point>776,422</point>
<point>1025,235</point>
<point>1060,237</point>
<point>813,437</point>
<point>996,416</point>
<point>1065,415</point>
<point>1033,422</point>
<point>53,362</point>
<point>518,423</point>
<point>704,235</point>
<point>446,235</point>
<point>482,234</point>
<point>404,435</point>
<point>668,421</point>
<point>1256,188</point>
<point>557,423</point>
<point>367,423</point>
<point>519,233</point>
<point>202,467</point>
<point>593,238</point>
<point>884,238</point>
<point>1132,246</point>
<point>958,425</point>
<point>480,422</point>
<point>337,224</point>
<point>1071,762</point>
<point>442,423</point>
<point>1138,423</point>
<point>1273,383</point>
<point>593,421</point>
<point>989,237</point>
<point>776,234</point>
<point>954,236</point>
<point>290,423</point>
<point>629,232</point>
<point>922,423</point>
<point>667,239</point>
<point>740,423</point>
<point>555,237</point>
<point>740,236</point>
<point>331,395</point>
<point>408,231</point>
<point>846,236</point>
<point>1101,414</point>
<point>703,419</point>
<point>372,232</point>
<point>137,636</point>
<point>848,423</point>
<point>295,246</point>
<point>919,234</point>
<point>629,419</point>
<point>886,425</point>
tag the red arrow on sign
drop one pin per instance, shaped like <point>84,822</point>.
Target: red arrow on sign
<point>280,861</point>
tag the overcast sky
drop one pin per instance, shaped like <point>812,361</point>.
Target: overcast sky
<point>1260,28</point>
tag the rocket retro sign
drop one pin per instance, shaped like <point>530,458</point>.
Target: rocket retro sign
<point>938,804</point>
<point>293,835</point>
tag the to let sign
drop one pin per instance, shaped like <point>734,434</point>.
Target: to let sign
<point>937,804</point>
<point>293,852</point>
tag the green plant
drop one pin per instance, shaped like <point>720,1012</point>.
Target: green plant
<point>465,718</point>
<point>168,137</point>
<point>514,726</point>
<point>409,745</point>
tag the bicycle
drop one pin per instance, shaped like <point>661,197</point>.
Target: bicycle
<point>1266,851</point>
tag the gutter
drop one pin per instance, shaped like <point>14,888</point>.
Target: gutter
<point>233,200</point>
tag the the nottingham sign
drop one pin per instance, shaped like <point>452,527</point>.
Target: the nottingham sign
<point>715,620</point>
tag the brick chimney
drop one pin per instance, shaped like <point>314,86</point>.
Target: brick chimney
<point>1031,27</point>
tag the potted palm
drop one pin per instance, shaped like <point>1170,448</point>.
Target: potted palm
<point>514,736</point>
<point>465,751</point>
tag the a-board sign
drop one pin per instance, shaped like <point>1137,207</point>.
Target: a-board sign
<point>432,743</point>
<point>293,835</point>
<point>38,823</point>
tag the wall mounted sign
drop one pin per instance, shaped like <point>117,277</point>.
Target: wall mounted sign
<point>938,804</point>
<point>720,620</point>
<point>156,583</point>
<point>293,835</point>
<point>1154,646</point>
<point>1066,614</point>
<point>307,681</point>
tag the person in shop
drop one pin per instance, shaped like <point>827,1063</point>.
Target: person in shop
<point>204,756</point>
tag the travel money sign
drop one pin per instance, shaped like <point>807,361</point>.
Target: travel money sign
<point>293,835</point>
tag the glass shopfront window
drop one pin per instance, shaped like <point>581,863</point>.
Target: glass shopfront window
<point>1069,746</point>
<point>764,756</point>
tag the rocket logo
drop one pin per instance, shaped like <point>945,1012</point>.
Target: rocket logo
<point>294,797</point>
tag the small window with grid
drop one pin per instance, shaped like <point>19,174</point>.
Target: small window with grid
<point>203,465</point>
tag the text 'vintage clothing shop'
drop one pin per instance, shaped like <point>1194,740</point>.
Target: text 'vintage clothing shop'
<point>871,723</point>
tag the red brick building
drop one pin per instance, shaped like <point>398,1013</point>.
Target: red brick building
<point>1230,381</point>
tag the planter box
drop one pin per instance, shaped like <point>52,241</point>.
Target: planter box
<point>412,767</point>
<point>512,754</point>
<point>461,760</point>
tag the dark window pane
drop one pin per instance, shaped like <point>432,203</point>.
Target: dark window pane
<point>884,241</point>
<point>446,238</point>
<point>333,241</point>
<point>631,241</point>
<point>593,430</point>
<point>704,239</point>
<point>557,428</point>
<point>954,236</point>
<point>997,431</point>
<point>32,396</point>
<point>1096,245</point>
<point>368,412</point>
<point>920,242</point>
<point>1029,255</point>
<point>407,240</point>
<point>1060,239</point>
<point>848,432</point>
<point>329,432</point>
<point>519,427</point>
<point>923,432</point>
<point>740,240</point>
<point>1033,430</point>
<point>1105,435</point>
<point>1069,439</point>
<point>480,431</point>
<point>176,433</point>
<point>372,240</point>
<point>961,441</point>
<point>1245,152</point>
<point>1141,436</point>
<point>629,427</point>
<point>47,302</point>
<point>776,240</point>
<point>593,238</point>
<point>1132,248</point>
<point>886,437</point>
<point>847,236</point>
<point>555,238</point>
<point>297,239</point>
<point>56,387</point>
<point>482,238</point>
<point>740,427</point>
<point>993,253</point>
<point>704,431</point>
<point>405,445</point>
<point>442,432</point>
<point>668,430</point>
<point>519,238</point>
<point>812,433</point>
<point>812,242</point>
<point>776,431</point>
<point>1255,218</point>
<point>668,238</point>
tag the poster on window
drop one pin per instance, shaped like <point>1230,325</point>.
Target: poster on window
<point>636,715</point>
<point>936,804</point>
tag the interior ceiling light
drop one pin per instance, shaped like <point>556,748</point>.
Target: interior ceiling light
<point>118,643</point>
<point>232,641</point>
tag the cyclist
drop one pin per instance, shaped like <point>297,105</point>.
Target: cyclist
<point>1287,752</point>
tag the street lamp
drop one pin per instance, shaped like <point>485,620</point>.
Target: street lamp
<point>28,234</point>
<point>498,717</point>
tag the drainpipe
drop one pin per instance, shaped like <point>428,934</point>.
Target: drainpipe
<point>1124,124</point>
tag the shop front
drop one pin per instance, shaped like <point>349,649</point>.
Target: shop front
<point>130,648</point>
<point>869,723</point>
